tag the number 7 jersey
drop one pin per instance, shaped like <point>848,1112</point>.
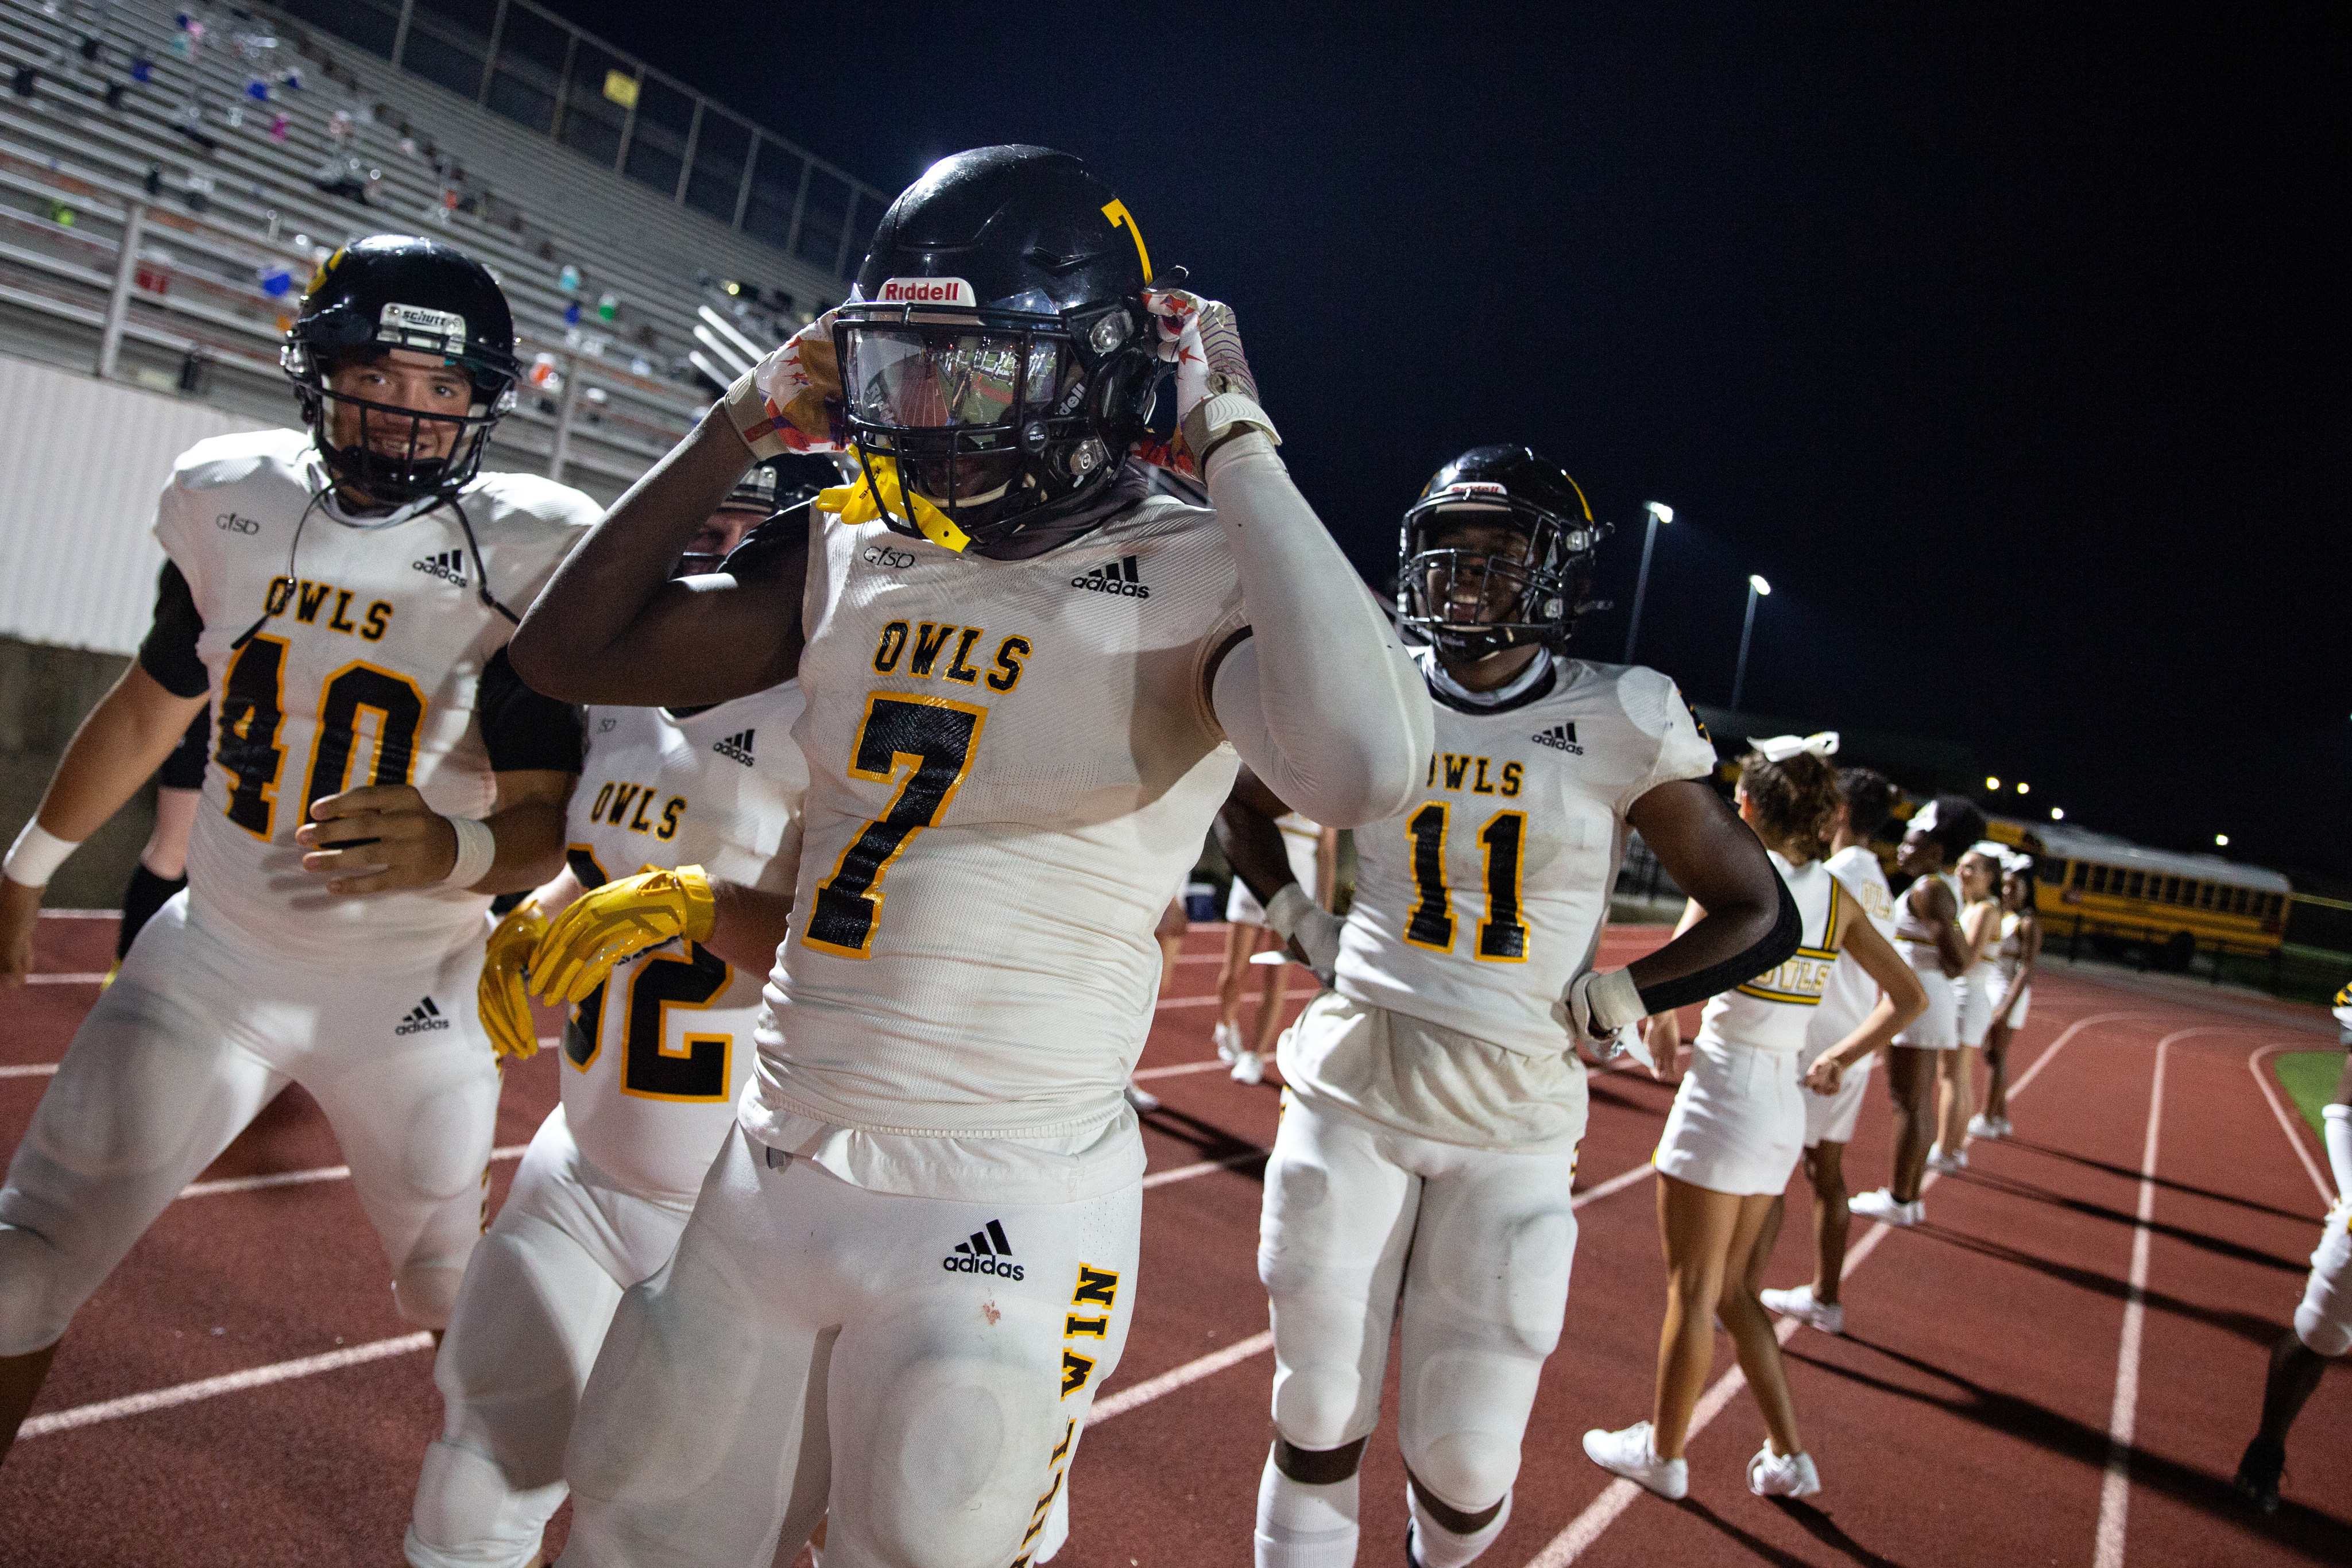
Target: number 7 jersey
<point>1477,905</point>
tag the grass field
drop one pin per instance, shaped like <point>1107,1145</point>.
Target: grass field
<point>2310,1078</point>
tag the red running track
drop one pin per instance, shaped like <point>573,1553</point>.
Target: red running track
<point>2060,1366</point>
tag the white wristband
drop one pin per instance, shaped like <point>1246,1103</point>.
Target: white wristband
<point>2338,1121</point>
<point>477,848</point>
<point>35,855</point>
<point>1614,999</point>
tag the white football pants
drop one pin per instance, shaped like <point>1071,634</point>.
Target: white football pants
<point>1481,1243</point>
<point>194,1038</point>
<point>922,1366</point>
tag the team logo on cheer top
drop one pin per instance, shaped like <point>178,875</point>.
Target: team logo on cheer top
<point>985,1251</point>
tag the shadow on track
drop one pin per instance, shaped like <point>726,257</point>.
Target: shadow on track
<point>2299,1528</point>
<point>2010,1187</point>
<point>2130,1174</point>
<point>1830,1534</point>
<point>1212,1141</point>
<point>2251,1327</point>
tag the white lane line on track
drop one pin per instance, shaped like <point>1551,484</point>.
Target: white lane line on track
<point>1618,1496</point>
<point>1186,1172</point>
<point>229,1383</point>
<point>2123,1418</point>
<point>30,1070</point>
<point>1209,1001</point>
<point>2327,1194</point>
<point>303,1179</point>
<point>84,979</point>
<point>1180,1070</point>
<point>1191,1372</point>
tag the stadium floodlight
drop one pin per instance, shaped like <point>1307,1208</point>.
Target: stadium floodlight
<point>1757,589</point>
<point>2221,840</point>
<point>2057,814</point>
<point>1659,513</point>
<point>2023,788</point>
<point>1992,783</point>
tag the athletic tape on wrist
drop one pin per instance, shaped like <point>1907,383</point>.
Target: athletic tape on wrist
<point>478,849</point>
<point>1287,909</point>
<point>35,855</point>
<point>2339,1120</point>
<point>1612,1001</point>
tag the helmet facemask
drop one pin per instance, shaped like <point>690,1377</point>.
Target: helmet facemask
<point>1523,583</point>
<point>395,454</point>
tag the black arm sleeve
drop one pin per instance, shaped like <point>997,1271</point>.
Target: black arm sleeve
<point>523,730</point>
<point>1682,991</point>
<point>169,651</point>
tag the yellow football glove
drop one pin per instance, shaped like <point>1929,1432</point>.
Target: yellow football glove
<point>505,1010</point>
<point>617,920</point>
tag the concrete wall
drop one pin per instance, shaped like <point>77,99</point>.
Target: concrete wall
<point>43,693</point>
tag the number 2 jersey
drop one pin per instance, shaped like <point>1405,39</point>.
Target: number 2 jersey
<point>1011,768</point>
<point>372,660</point>
<point>655,1056</point>
<point>1477,905</point>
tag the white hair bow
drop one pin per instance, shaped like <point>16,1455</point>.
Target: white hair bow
<point>1924,820</point>
<point>1780,747</point>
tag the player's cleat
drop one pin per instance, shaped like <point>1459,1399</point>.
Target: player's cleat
<point>1884,1208</point>
<point>1249,1067</point>
<point>1782,1475</point>
<point>1982,1126</point>
<point>1798,1304</point>
<point>1144,1100</point>
<point>1629,1454</point>
<point>1947,1164</point>
<point>2257,1479</point>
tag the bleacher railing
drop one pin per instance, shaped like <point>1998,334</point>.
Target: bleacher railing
<point>529,66</point>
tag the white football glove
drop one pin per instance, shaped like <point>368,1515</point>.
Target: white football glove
<point>1216,395</point>
<point>1603,1008</point>
<point>1294,916</point>
<point>789,401</point>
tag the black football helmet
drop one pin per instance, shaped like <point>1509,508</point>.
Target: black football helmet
<point>995,347</point>
<point>397,291</point>
<point>1471,603</point>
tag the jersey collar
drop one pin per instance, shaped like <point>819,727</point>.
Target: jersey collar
<point>1530,684</point>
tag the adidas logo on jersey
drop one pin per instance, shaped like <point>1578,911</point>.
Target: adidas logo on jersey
<point>1113,577</point>
<point>1559,737</point>
<point>449,566</point>
<point>985,1251</point>
<point>424,1016</point>
<point>738,747</point>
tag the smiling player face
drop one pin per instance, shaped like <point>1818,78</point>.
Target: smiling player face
<point>401,379</point>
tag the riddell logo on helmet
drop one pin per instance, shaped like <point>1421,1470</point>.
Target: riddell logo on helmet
<point>1476,490</point>
<point>928,292</point>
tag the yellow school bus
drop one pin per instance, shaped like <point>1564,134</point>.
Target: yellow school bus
<point>2106,890</point>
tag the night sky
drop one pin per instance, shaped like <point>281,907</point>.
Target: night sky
<point>2010,347</point>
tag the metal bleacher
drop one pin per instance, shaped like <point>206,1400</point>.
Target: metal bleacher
<point>221,187</point>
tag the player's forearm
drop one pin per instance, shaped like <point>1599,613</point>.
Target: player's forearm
<point>1254,845</point>
<point>584,638</point>
<point>1343,712</point>
<point>118,748</point>
<point>1886,1020</point>
<point>530,838</point>
<point>749,925</point>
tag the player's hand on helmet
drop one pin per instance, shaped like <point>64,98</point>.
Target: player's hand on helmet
<point>20,915</point>
<point>505,1006</point>
<point>1216,393</point>
<point>375,839</point>
<point>791,400</point>
<point>1312,930</point>
<point>618,920</point>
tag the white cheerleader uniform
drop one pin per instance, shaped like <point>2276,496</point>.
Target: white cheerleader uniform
<point>1975,992</point>
<point>1846,1001</point>
<point>1938,1027</point>
<point>1739,1120</point>
<point>2008,960</point>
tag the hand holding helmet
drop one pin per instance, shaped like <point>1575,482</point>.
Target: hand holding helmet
<point>791,400</point>
<point>1216,394</point>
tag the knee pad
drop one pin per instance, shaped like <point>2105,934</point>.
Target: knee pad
<point>445,1150</point>
<point>961,1449</point>
<point>1467,1470</point>
<point>1316,1406</point>
<point>31,1316</point>
<point>427,1293</point>
<point>470,1513</point>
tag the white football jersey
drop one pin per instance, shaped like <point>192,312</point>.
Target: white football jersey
<point>1771,1011</point>
<point>1479,903</point>
<point>655,1056</point>
<point>1012,767</point>
<point>363,672</point>
<point>1851,993</point>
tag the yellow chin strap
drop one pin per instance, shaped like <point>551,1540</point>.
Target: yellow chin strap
<point>878,492</point>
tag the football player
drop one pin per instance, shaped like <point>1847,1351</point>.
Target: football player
<point>706,801</point>
<point>339,596</point>
<point>1029,661</point>
<point>1435,1095</point>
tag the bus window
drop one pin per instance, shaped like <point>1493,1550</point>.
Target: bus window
<point>2132,884</point>
<point>2079,872</point>
<point>2205,895</point>
<point>2238,902</point>
<point>2099,879</point>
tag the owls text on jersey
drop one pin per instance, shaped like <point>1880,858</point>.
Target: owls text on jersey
<point>363,670</point>
<point>1772,1010</point>
<point>1011,771</point>
<point>1477,905</point>
<point>655,1056</point>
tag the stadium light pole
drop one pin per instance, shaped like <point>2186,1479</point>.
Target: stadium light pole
<point>1757,589</point>
<point>1659,513</point>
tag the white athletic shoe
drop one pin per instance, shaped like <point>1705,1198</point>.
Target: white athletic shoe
<point>1800,1304</point>
<point>1249,1067</point>
<point>2007,1127</point>
<point>1229,1042</point>
<point>1982,1126</point>
<point>1145,1101</point>
<point>1883,1207</point>
<point>1947,1164</point>
<point>1629,1454</point>
<point>1782,1475</point>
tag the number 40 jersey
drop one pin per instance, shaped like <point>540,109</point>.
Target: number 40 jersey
<point>655,1057</point>
<point>1479,903</point>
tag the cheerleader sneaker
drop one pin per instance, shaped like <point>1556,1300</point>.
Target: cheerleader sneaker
<point>1947,1164</point>
<point>1798,1304</point>
<point>1145,1101</point>
<point>1229,1042</point>
<point>1887,1210</point>
<point>1249,1067</point>
<point>2004,1126</point>
<point>1985,1127</point>
<point>1782,1475</point>
<point>1629,1454</point>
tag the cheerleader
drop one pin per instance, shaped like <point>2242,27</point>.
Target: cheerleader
<point>1738,1126</point>
<point>2020,951</point>
<point>1979,876</point>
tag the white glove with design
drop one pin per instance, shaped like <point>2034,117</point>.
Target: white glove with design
<point>1216,395</point>
<point>1603,1008</point>
<point>790,401</point>
<point>1295,917</point>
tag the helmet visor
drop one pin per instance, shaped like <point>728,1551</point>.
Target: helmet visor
<point>926,378</point>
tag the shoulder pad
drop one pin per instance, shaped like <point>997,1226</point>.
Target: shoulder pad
<point>763,551</point>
